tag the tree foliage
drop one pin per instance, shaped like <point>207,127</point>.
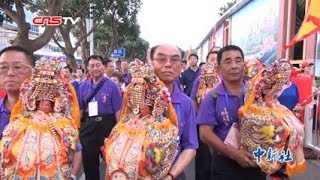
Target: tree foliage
<point>120,29</point>
<point>74,9</point>
<point>226,7</point>
<point>15,10</point>
<point>115,25</point>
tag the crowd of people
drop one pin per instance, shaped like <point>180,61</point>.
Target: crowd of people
<point>150,120</point>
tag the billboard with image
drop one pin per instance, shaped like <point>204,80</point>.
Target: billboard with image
<point>255,30</point>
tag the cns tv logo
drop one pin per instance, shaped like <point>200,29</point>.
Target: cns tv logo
<point>53,20</point>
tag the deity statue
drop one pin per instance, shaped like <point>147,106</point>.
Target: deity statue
<point>269,128</point>
<point>42,135</point>
<point>144,143</point>
<point>208,80</point>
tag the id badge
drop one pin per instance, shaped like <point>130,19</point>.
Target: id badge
<point>93,108</point>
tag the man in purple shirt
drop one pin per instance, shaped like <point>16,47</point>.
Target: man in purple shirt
<point>100,114</point>
<point>167,64</point>
<point>15,67</point>
<point>217,114</point>
<point>125,70</point>
<point>4,115</point>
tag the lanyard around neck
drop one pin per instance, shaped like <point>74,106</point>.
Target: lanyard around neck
<point>226,96</point>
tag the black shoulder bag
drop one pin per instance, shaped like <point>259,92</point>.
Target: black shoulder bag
<point>87,126</point>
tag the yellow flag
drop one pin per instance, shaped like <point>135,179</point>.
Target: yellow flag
<point>310,25</point>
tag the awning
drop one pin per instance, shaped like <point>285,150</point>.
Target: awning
<point>48,53</point>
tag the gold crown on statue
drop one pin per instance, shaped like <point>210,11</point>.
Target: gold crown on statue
<point>138,69</point>
<point>272,79</point>
<point>46,83</point>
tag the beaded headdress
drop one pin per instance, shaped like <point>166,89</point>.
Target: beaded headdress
<point>144,142</point>
<point>145,89</point>
<point>283,68</point>
<point>47,83</point>
<point>208,79</point>
<point>271,80</point>
<point>209,74</point>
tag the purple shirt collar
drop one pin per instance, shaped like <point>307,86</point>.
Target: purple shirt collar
<point>3,108</point>
<point>221,90</point>
<point>4,115</point>
<point>176,94</point>
<point>93,85</point>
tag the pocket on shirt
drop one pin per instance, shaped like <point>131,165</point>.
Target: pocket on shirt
<point>106,99</point>
<point>181,126</point>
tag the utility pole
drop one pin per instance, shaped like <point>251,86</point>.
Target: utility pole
<point>89,26</point>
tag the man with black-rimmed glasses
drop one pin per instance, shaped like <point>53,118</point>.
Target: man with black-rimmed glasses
<point>15,66</point>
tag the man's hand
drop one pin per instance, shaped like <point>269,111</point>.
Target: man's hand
<point>245,159</point>
<point>168,177</point>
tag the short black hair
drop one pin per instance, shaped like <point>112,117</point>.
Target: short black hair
<point>123,61</point>
<point>211,52</point>
<point>154,48</point>
<point>108,61</point>
<point>118,75</point>
<point>97,57</point>
<point>28,54</point>
<point>184,62</point>
<point>202,63</point>
<point>229,48</point>
<point>68,67</point>
<point>81,69</point>
<point>195,55</point>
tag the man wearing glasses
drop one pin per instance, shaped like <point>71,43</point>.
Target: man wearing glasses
<point>167,64</point>
<point>15,66</point>
<point>100,102</point>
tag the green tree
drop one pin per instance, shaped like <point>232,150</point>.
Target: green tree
<point>121,29</point>
<point>76,9</point>
<point>226,7</point>
<point>111,15</point>
<point>18,16</point>
<point>136,48</point>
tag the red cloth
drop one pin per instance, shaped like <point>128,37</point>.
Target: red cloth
<point>2,93</point>
<point>304,84</point>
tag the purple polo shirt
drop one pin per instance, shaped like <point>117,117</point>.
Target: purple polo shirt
<point>217,113</point>
<point>4,115</point>
<point>186,119</point>
<point>108,97</point>
<point>126,77</point>
<point>195,88</point>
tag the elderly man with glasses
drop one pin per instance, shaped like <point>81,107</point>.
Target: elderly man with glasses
<point>100,102</point>
<point>167,64</point>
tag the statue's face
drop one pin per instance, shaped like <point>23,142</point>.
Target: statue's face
<point>144,110</point>
<point>45,106</point>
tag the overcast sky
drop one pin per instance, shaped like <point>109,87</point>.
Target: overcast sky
<point>181,22</point>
